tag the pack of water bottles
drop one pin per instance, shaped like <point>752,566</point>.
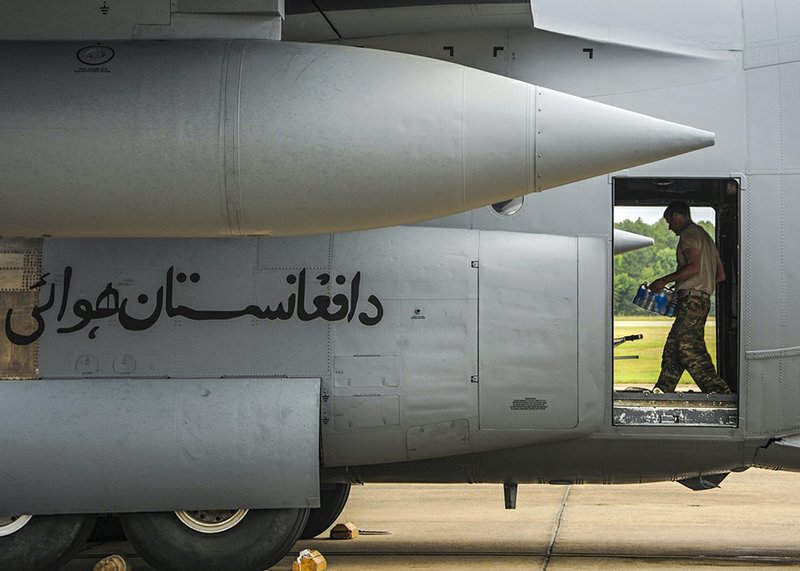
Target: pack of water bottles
<point>664,302</point>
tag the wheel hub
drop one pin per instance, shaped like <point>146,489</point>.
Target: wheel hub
<point>211,521</point>
<point>13,523</point>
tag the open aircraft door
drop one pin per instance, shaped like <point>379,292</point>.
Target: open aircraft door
<point>542,323</point>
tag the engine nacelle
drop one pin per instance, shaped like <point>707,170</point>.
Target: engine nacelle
<point>220,138</point>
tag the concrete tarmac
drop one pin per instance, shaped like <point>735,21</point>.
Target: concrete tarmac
<point>750,522</point>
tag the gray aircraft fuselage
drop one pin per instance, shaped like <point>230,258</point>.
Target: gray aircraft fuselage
<point>476,347</point>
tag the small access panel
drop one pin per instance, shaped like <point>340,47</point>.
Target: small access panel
<point>529,294</point>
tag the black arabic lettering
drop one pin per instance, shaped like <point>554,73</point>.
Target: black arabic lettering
<point>84,312</point>
<point>109,303</point>
<point>108,296</point>
<point>370,321</point>
<point>355,286</point>
<point>346,307</point>
<point>343,302</point>
<point>65,292</point>
<point>135,324</point>
<point>302,314</point>
<point>36,314</point>
<point>202,315</point>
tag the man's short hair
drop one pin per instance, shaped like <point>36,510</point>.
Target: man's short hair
<point>679,207</point>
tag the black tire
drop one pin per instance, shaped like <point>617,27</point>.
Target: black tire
<point>45,543</point>
<point>331,503</point>
<point>257,542</point>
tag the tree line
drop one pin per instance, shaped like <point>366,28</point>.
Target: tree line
<point>647,264</point>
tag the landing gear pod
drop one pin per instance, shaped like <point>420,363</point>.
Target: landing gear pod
<point>151,445</point>
<point>248,443</point>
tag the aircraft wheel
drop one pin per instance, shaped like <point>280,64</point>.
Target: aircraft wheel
<point>210,540</point>
<point>331,504</point>
<point>42,542</point>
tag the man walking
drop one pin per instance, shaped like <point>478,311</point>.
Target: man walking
<point>699,269</point>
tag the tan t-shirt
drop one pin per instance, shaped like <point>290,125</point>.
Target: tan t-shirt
<point>693,236</point>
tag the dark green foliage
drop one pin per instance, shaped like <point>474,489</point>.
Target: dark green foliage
<point>645,265</point>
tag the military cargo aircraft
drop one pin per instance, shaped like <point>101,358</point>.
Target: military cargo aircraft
<point>255,253</point>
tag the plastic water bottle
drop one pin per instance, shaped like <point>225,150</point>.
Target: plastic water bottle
<point>672,308</point>
<point>650,302</point>
<point>662,301</point>
<point>641,295</point>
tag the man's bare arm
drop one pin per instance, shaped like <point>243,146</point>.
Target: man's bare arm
<point>691,268</point>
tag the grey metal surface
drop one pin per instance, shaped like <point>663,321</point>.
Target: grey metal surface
<point>771,304</point>
<point>594,336</point>
<point>630,22</point>
<point>414,138</point>
<point>143,20</point>
<point>661,71</point>
<point>207,337</point>
<point>389,323</point>
<point>628,455</point>
<point>422,356</point>
<point>528,331</point>
<point>729,67</point>
<point>780,454</point>
<point>124,445</point>
<point>671,64</point>
<point>315,22</point>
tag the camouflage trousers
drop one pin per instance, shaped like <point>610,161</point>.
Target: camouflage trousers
<point>685,349</point>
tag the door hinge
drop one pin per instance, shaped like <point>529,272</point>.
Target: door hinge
<point>474,378</point>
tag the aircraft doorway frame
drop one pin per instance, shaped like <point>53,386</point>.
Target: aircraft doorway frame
<point>642,407</point>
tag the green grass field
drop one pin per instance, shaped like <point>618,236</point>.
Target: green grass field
<point>644,370</point>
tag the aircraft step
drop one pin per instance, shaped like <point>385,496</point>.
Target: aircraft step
<point>643,408</point>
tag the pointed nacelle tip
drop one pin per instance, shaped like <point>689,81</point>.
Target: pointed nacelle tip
<point>628,241</point>
<point>707,138</point>
<point>676,139</point>
<point>577,138</point>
